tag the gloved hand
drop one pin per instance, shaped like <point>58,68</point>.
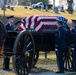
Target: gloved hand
<point>72,48</point>
<point>56,49</point>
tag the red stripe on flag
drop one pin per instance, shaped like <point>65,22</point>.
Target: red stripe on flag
<point>20,28</point>
<point>30,21</point>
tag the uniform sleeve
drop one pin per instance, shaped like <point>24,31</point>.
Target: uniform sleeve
<point>72,38</point>
<point>57,36</point>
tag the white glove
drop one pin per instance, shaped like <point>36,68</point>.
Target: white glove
<point>56,49</point>
<point>72,48</point>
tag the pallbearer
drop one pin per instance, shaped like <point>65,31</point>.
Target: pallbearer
<point>73,43</point>
<point>9,27</point>
<point>60,45</point>
<point>18,23</point>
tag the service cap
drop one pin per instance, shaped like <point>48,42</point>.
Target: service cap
<point>18,22</point>
<point>10,17</point>
<point>73,20</point>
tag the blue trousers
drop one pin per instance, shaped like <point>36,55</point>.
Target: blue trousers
<point>6,63</point>
<point>74,59</point>
<point>60,61</point>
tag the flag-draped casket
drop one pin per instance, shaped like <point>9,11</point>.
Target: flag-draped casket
<point>38,23</point>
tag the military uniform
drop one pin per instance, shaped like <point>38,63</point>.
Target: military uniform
<point>18,23</point>
<point>9,27</point>
<point>60,47</point>
<point>73,45</point>
<point>65,25</point>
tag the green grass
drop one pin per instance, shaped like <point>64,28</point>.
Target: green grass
<point>43,65</point>
<point>19,11</point>
<point>51,58</point>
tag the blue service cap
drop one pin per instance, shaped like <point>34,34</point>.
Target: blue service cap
<point>9,17</point>
<point>18,22</point>
<point>73,20</point>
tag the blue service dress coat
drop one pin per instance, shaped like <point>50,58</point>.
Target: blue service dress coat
<point>73,46</point>
<point>9,27</point>
<point>60,46</point>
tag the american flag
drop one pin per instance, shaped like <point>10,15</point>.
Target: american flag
<point>38,23</point>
